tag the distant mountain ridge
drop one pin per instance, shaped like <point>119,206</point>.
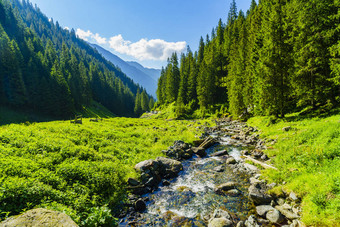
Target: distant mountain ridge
<point>145,77</point>
<point>154,73</point>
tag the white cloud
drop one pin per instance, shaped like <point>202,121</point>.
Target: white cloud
<point>154,49</point>
<point>83,34</point>
<point>90,37</point>
<point>99,39</point>
<point>67,28</point>
<point>144,49</point>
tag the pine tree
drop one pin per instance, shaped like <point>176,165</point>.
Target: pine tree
<point>173,79</point>
<point>138,106</point>
<point>312,25</point>
<point>273,87</point>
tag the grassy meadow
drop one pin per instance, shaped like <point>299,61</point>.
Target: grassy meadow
<point>80,169</point>
<point>308,159</point>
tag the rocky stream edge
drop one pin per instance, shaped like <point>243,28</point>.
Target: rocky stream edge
<point>269,210</point>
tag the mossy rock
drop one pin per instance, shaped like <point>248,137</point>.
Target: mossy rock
<point>39,217</point>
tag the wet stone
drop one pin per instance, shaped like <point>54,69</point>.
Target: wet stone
<point>231,161</point>
<point>140,205</point>
<point>133,182</point>
<point>219,169</point>
<point>219,153</point>
<point>225,187</point>
<point>233,192</point>
<point>263,210</point>
<point>274,216</point>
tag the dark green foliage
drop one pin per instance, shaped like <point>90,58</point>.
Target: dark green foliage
<point>280,57</point>
<point>49,70</point>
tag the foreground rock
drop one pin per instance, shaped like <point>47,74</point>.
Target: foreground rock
<point>40,217</point>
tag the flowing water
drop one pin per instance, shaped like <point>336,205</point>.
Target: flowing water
<point>190,198</point>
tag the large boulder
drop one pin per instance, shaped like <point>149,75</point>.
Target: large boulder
<point>40,217</point>
<point>169,168</point>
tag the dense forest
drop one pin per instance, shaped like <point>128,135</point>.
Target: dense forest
<point>49,70</point>
<point>281,56</point>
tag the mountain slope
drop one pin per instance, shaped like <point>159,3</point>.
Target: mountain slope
<point>49,70</point>
<point>137,74</point>
<point>153,73</point>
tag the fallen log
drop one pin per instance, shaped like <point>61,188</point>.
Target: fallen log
<point>264,165</point>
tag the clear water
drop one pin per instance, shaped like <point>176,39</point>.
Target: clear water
<point>190,198</point>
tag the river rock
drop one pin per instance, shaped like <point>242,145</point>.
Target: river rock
<point>169,168</point>
<point>219,169</point>
<point>250,167</point>
<point>219,153</point>
<point>199,151</point>
<point>133,182</point>
<point>231,161</point>
<point>165,182</point>
<point>293,197</point>
<point>225,187</point>
<point>285,209</point>
<point>258,195</point>
<point>220,222</point>
<point>251,222</point>
<point>274,216</point>
<point>263,209</point>
<point>40,217</point>
<point>233,192</point>
<point>240,224</point>
<point>140,205</point>
<point>219,213</point>
<point>146,165</point>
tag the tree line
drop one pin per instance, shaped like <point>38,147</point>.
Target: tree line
<point>49,70</point>
<point>278,57</point>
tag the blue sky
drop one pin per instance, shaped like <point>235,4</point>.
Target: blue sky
<point>146,31</point>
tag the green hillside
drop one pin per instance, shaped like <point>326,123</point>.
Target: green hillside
<point>78,168</point>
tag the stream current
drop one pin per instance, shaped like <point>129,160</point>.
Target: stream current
<point>190,199</point>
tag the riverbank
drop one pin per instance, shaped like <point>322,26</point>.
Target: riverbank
<point>307,155</point>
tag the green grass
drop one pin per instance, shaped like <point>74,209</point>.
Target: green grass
<point>96,110</point>
<point>308,159</point>
<point>79,169</point>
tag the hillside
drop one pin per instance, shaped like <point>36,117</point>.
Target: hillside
<point>140,75</point>
<point>48,70</point>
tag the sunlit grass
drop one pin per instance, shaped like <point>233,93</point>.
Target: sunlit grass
<point>74,167</point>
<point>308,159</point>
